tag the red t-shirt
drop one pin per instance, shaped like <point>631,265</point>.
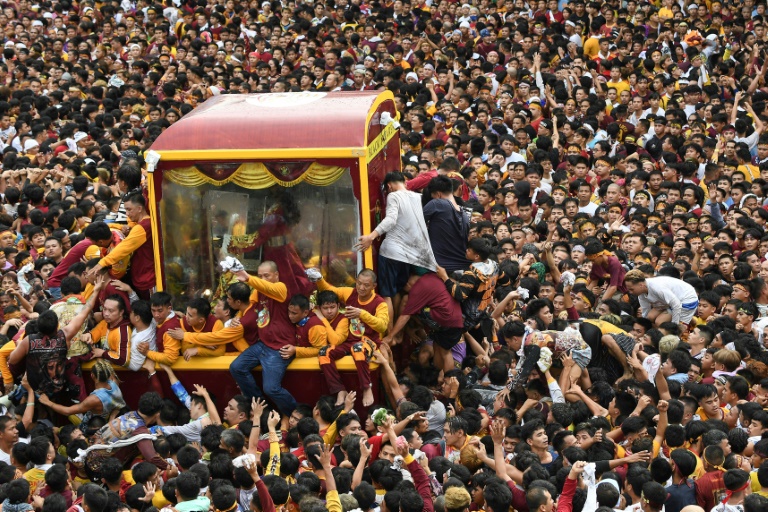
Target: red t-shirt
<point>615,272</point>
<point>74,255</point>
<point>429,291</point>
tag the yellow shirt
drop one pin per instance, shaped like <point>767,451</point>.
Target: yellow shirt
<point>704,417</point>
<point>592,47</point>
<point>751,172</point>
<point>620,86</point>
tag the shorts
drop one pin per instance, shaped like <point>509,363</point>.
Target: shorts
<point>688,311</point>
<point>393,276</point>
<point>582,356</point>
<point>626,343</point>
<point>447,338</point>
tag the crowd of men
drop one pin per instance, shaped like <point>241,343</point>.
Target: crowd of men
<point>569,307</point>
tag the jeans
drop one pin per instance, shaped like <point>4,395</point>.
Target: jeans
<point>273,368</point>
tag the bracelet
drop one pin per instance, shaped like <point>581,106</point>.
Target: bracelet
<point>30,404</point>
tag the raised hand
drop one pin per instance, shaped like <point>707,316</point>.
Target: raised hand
<point>257,409</point>
<point>349,400</point>
<point>149,492</point>
<point>497,432</point>
<point>577,468</point>
<point>325,457</point>
<point>273,420</point>
<point>365,452</point>
<point>200,390</point>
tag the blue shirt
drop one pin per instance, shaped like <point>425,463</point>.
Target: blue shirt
<point>682,378</point>
<point>680,496</point>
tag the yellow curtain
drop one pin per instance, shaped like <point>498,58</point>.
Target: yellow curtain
<point>255,176</point>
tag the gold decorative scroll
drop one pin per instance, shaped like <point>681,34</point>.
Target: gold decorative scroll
<point>243,243</point>
<point>255,176</point>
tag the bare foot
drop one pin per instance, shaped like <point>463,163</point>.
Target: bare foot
<point>367,397</point>
<point>340,398</point>
<point>628,374</point>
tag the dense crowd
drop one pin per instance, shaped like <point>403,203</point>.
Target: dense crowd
<point>570,302</point>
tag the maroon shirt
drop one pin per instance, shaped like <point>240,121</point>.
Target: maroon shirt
<point>429,291</point>
<point>355,324</point>
<point>615,271</point>
<point>170,323</point>
<point>143,261</point>
<point>74,255</point>
<point>710,489</point>
<point>275,328</point>
<point>302,331</point>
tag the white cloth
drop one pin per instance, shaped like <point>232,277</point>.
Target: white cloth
<point>148,334</point>
<point>724,507</point>
<point>113,446</point>
<point>668,293</point>
<point>407,238</point>
<point>651,364</point>
<point>590,481</point>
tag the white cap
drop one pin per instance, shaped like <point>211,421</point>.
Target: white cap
<point>475,56</point>
<point>534,99</point>
<point>464,24</point>
<point>48,15</point>
<point>79,136</point>
<point>412,75</point>
<point>30,144</point>
<point>37,23</point>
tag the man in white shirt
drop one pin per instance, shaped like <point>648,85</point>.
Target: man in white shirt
<point>663,299</point>
<point>144,328</point>
<point>407,241</point>
<point>9,436</point>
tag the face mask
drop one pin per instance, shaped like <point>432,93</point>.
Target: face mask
<point>473,18</point>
